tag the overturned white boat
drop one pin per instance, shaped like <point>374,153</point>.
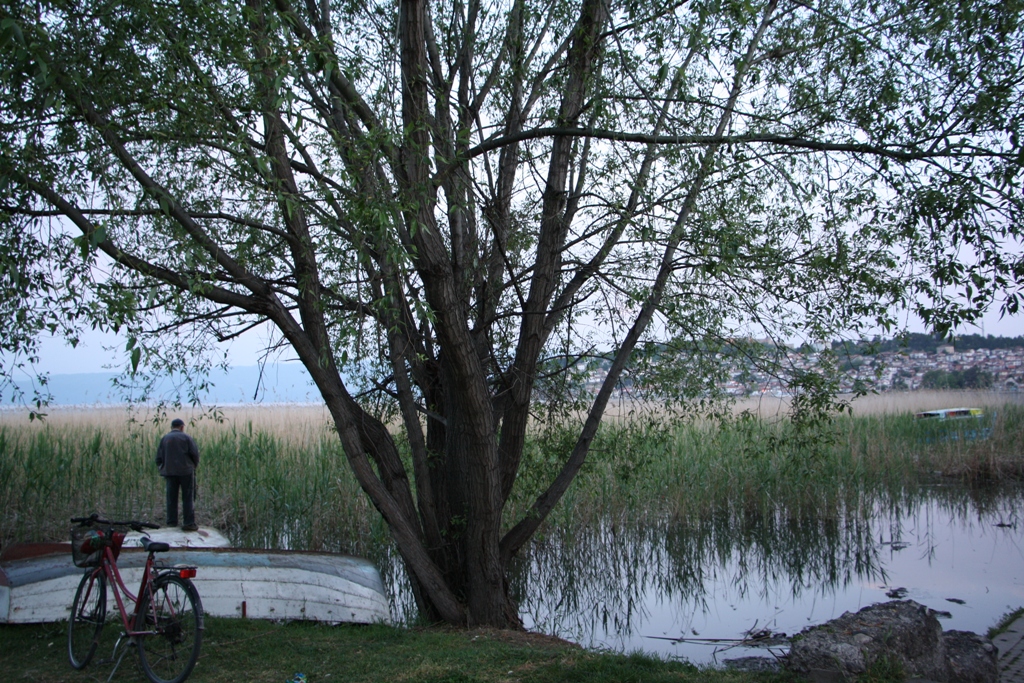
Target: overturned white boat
<point>204,537</point>
<point>38,582</point>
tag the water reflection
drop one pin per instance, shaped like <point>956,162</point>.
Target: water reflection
<point>689,587</point>
<point>630,587</point>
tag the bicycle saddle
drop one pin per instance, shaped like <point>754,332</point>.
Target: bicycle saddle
<point>154,546</point>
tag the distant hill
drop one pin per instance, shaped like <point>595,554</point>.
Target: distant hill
<point>281,383</point>
<point>290,383</point>
<point>928,344</point>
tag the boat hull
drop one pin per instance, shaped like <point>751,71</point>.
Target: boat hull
<point>257,584</point>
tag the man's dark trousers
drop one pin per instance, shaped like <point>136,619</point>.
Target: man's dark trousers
<point>184,484</point>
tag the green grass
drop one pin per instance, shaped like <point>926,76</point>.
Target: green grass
<point>1005,621</point>
<point>236,650</point>
<point>263,489</point>
<point>695,469</point>
<point>291,486</point>
<point>884,670</point>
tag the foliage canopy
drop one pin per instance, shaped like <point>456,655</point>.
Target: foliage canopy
<point>444,210</point>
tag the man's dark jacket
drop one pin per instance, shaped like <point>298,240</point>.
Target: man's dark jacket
<point>177,455</point>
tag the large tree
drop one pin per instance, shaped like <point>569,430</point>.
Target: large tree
<point>459,204</point>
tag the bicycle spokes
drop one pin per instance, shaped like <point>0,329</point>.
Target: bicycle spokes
<point>88,615</point>
<point>172,617</point>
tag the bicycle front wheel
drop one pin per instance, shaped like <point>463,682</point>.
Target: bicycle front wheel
<point>172,615</point>
<point>88,614</point>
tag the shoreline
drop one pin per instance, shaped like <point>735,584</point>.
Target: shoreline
<point>766,405</point>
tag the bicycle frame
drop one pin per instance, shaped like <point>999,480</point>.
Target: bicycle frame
<point>117,586</point>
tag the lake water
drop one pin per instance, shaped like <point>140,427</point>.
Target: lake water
<point>690,589</point>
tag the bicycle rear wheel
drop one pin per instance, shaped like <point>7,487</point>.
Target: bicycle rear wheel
<point>173,613</point>
<point>88,614</point>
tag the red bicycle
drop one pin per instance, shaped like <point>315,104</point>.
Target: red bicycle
<point>166,625</point>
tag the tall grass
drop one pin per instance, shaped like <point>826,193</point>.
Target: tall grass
<point>643,472</point>
<point>290,488</point>
<point>277,478</point>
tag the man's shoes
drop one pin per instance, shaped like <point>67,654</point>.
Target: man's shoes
<point>190,527</point>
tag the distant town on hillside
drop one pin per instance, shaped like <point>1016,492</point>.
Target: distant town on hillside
<point>917,361</point>
<point>923,362</point>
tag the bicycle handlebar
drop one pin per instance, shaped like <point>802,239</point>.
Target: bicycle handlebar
<point>95,519</point>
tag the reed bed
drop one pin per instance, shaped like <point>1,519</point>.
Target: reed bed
<point>647,472</point>
<point>275,476</point>
<point>283,485</point>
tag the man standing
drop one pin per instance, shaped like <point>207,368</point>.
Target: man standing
<point>177,457</point>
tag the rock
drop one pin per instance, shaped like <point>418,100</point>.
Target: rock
<point>970,658</point>
<point>893,636</point>
<point>902,632</point>
<point>753,664</point>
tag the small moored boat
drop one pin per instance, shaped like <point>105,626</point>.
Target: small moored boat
<point>950,424</point>
<point>950,414</point>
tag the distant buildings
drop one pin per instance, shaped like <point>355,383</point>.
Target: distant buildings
<point>1000,369</point>
<point>908,371</point>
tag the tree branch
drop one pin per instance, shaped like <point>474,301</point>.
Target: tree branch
<point>897,152</point>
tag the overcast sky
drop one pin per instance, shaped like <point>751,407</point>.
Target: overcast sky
<point>90,355</point>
